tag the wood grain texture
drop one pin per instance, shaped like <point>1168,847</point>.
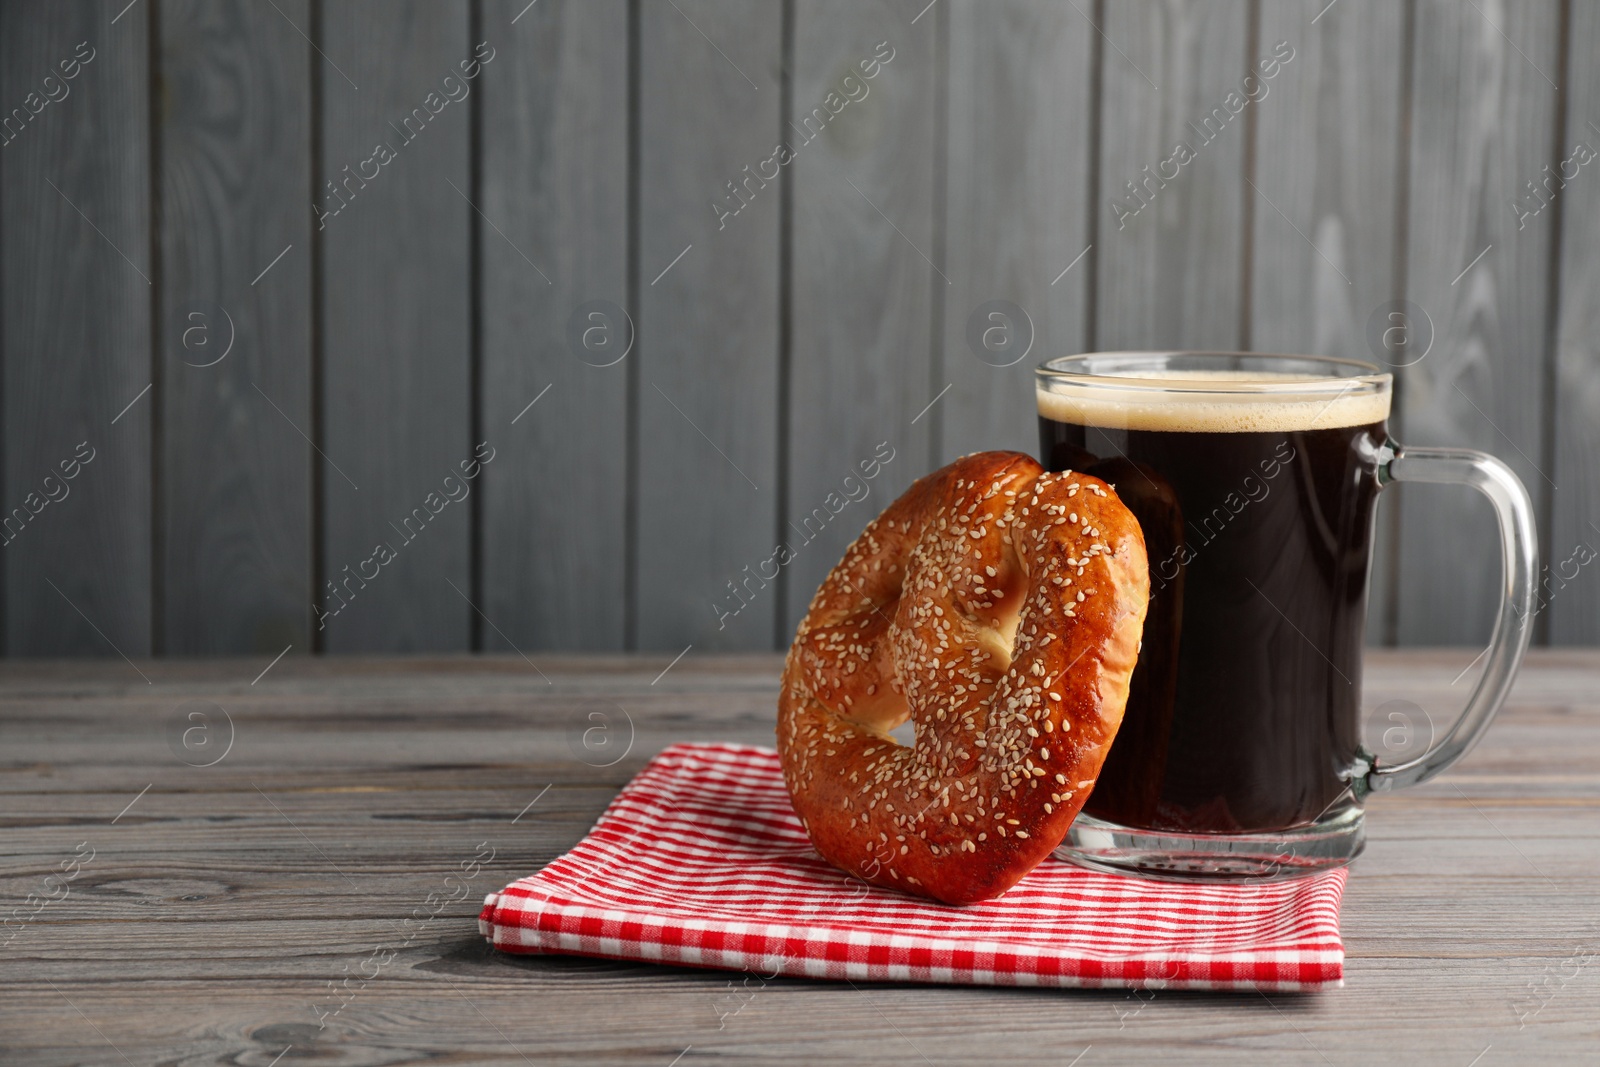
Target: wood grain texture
<point>708,322</point>
<point>1572,593</point>
<point>396,337</point>
<point>1328,183</point>
<point>1170,252</point>
<point>1327,169</point>
<point>225,908</point>
<point>1482,124</point>
<point>206,515</point>
<point>553,241</point>
<point>75,329</point>
<point>861,371</point>
<point>235,143</point>
<point>1017,178</point>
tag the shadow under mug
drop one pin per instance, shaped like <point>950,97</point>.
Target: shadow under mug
<point>1255,480</point>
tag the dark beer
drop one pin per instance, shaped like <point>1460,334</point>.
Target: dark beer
<point>1243,712</point>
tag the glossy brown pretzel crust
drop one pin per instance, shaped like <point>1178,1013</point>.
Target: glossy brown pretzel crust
<point>999,607</point>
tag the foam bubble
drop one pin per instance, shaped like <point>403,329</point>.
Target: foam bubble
<point>1217,401</point>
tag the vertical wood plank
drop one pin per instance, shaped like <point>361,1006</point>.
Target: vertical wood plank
<point>1015,209</point>
<point>1327,177</point>
<point>396,323</point>
<point>708,321</point>
<point>1483,121</point>
<point>1573,593</point>
<point>235,325</point>
<point>75,316</point>
<point>1170,250</point>
<point>860,370</point>
<point>555,188</point>
<point>1327,164</point>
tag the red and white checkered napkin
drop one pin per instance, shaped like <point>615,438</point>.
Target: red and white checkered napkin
<point>701,861</point>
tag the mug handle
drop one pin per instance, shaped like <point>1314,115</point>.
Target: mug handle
<point>1520,555</point>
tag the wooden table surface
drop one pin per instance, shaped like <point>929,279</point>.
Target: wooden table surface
<point>247,912</point>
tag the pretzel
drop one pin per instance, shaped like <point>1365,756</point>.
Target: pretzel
<point>1000,609</point>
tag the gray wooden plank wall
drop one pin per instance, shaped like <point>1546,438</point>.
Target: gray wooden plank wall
<point>1486,383</point>
<point>1016,212</point>
<point>707,371</point>
<point>1574,610</point>
<point>482,324</point>
<point>396,310</point>
<point>77,291</point>
<point>864,287</point>
<point>235,538</point>
<point>554,252</point>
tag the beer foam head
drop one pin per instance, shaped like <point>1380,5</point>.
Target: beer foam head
<point>1213,401</point>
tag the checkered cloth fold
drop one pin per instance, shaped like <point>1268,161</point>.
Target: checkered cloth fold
<point>700,861</point>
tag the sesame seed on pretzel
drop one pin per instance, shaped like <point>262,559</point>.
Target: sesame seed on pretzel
<point>1000,608</point>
